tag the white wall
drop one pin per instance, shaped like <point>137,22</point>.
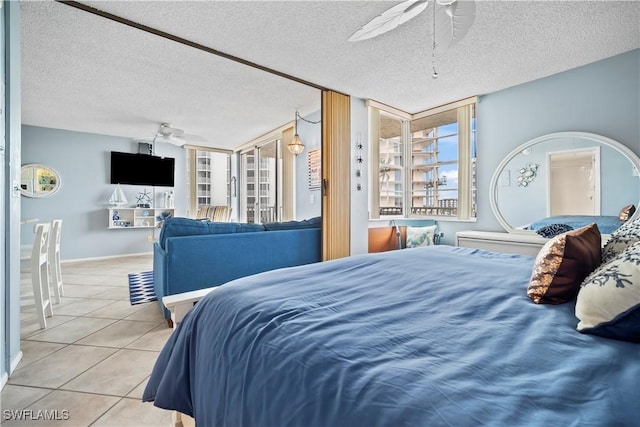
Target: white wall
<point>359,197</point>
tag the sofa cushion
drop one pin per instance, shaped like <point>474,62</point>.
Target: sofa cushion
<point>315,222</point>
<point>192,227</point>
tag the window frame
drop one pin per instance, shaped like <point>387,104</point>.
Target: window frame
<point>192,173</point>
<point>466,159</point>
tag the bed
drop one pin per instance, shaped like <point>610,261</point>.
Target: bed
<point>432,336</point>
<point>606,224</point>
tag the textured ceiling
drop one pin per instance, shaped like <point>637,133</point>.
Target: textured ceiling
<point>87,73</point>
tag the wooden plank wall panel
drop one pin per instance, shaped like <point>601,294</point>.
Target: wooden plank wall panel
<point>336,175</point>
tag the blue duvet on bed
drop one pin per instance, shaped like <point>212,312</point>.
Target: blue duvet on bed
<point>435,336</point>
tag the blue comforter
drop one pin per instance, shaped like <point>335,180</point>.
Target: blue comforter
<point>435,336</point>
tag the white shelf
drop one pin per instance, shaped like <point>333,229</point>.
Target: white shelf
<point>137,217</point>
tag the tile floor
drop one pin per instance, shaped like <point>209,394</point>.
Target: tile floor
<point>95,356</point>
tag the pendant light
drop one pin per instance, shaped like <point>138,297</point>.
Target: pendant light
<point>296,146</point>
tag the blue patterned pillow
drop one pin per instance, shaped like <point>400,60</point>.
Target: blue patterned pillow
<point>626,235</point>
<point>553,230</point>
<point>608,302</point>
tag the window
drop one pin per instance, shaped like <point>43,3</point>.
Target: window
<point>425,162</point>
<point>209,176</point>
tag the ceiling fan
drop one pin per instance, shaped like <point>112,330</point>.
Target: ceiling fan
<point>172,135</point>
<point>451,20</point>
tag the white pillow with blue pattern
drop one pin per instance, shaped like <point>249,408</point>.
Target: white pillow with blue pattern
<point>608,303</point>
<point>421,236</point>
<point>626,235</point>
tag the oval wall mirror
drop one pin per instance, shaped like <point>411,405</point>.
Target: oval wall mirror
<point>572,178</point>
<point>38,180</point>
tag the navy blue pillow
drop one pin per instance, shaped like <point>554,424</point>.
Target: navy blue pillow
<point>553,230</point>
<point>315,222</point>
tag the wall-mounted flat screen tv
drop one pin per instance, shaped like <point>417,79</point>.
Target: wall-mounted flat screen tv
<point>142,169</point>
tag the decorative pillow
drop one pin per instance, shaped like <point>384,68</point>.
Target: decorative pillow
<point>553,230</point>
<point>626,212</point>
<point>563,263</point>
<point>608,304</point>
<point>626,235</point>
<point>420,236</point>
<point>315,222</point>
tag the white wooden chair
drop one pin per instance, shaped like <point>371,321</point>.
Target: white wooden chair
<point>55,272</point>
<point>40,273</point>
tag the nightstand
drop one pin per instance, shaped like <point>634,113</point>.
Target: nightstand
<point>514,243</point>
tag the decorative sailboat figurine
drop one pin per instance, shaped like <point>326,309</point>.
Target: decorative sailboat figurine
<point>118,198</point>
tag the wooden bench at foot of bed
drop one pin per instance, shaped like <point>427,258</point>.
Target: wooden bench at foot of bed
<point>180,304</point>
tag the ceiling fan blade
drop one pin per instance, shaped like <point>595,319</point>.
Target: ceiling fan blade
<point>453,23</point>
<point>193,138</point>
<point>170,139</point>
<point>390,19</point>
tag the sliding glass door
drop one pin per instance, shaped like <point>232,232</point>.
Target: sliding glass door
<point>261,167</point>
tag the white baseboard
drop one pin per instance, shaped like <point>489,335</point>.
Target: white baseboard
<point>15,362</point>
<point>62,261</point>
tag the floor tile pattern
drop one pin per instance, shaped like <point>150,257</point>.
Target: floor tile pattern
<point>90,365</point>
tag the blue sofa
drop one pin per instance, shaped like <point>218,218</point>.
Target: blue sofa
<point>192,254</point>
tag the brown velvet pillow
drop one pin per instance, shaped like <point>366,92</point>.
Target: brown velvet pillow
<point>626,212</point>
<point>563,263</point>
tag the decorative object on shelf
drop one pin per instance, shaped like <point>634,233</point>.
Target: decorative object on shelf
<point>117,197</point>
<point>168,199</point>
<point>115,216</point>
<point>528,174</point>
<point>296,146</point>
<point>144,199</point>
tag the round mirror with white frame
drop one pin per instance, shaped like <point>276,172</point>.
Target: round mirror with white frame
<point>37,180</point>
<point>571,178</point>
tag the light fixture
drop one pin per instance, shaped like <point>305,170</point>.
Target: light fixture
<point>296,146</point>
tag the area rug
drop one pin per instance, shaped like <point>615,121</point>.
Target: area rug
<point>141,288</point>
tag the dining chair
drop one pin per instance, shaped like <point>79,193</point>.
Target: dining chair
<point>55,272</point>
<point>40,273</point>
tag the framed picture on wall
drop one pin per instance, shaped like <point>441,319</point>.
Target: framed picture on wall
<point>315,171</point>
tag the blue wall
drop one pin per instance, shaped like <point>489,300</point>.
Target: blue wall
<point>83,160</point>
<point>601,98</point>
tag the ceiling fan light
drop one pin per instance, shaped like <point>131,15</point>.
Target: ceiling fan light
<point>296,147</point>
